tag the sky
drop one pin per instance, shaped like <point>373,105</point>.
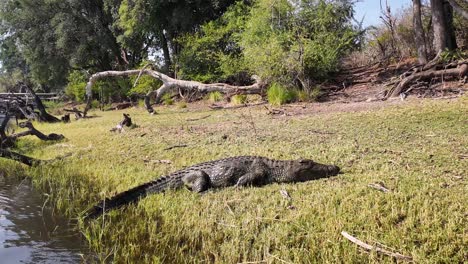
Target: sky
<point>370,9</point>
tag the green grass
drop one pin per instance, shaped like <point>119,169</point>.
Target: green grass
<point>215,97</point>
<point>279,95</point>
<point>415,148</point>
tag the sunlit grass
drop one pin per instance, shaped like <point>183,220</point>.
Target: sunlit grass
<point>417,149</point>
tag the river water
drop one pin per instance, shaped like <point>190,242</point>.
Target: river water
<point>30,233</point>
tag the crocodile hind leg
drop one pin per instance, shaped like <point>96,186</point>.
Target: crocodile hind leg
<point>197,181</point>
<point>256,175</point>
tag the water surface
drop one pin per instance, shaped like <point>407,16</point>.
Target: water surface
<point>29,233</point>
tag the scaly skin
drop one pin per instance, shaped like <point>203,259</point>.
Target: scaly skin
<point>234,171</point>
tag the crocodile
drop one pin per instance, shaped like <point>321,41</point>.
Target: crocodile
<point>234,171</point>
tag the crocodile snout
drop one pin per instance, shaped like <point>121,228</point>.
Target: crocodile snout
<point>333,170</point>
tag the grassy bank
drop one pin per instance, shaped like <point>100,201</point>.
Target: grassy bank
<point>417,149</point>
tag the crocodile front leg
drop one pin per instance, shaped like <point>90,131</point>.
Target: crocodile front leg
<point>256,175</point>
<point>197,181</point>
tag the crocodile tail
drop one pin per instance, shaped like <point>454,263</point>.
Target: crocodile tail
<point>133,195</point>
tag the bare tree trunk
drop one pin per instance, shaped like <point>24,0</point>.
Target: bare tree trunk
<point>166,53</point>
<point>451,38</point>
<point>171,84</point>
<point>419,32</point>
<point>442,25</point>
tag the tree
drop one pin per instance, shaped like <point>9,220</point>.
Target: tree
<point>419,32</point>
<point>442,23</point>
<point>163,21</point>
<point>55,36</point>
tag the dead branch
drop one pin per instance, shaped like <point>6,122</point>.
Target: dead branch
<point>119,106</point>
<point>274,111</point>
<point>19,157</point>
<point>285,194</point>
<point>33,131</point>
<point>176,146</point>
<point>44,116</point>
<point>78,114</point>
<point>376,248</point>
<point>127,121</point>
<point>218,107</point>
<point>171,84</point>
<point>379,186</point>
<point>158,161</point>
<point>460,72</point>
<point>196,119</point>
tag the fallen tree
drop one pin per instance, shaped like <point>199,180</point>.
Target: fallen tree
<point>458,69</point>
<point>171,84</point>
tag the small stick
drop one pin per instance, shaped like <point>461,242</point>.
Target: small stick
<point>379,186</point>
<point>377,249</point>
<point>159,161</point>
<point>176,146</point>
<point>201,118</point>
<point>285,194</point>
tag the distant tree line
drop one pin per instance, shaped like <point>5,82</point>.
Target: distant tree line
<point>57,45</point>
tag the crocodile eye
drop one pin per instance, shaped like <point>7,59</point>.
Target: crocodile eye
<point>303,161</point>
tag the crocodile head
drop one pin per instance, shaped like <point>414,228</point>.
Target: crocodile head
<point>306,170</point>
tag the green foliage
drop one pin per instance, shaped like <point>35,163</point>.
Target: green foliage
<point>53,36</point>
<point>215,96</point>
<point>76,86</point>
<point>145,83</point>
<point>282,41</point>
<point>288,41</point>
<point>277,94</point>
<point>239,99</point>
<point>167,99</point>
<point>213,53</point>
<point>452,55</point>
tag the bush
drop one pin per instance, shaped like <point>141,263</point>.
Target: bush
<point>239,99</point>
<point>167,99</point>
<point>75,88</point>
<point>215,97</point>
<point>279,95</point>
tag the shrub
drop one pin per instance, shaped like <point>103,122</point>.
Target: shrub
<point>215,97</point>
<point>167,99</point>
<point>278,94</point>
<point>75,88</point>
<point>239,99</point>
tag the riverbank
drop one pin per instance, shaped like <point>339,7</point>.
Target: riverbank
<point>416,148</point>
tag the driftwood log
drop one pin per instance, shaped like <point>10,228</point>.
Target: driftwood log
<point>7,154</point>
<point>460,70</point>
<point>171,84</point>
<point>34,132</point>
